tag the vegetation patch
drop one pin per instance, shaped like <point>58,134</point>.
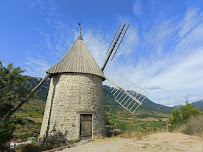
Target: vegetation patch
<point>194,126</point>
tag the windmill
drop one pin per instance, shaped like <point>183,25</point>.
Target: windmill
<point>75,105</point>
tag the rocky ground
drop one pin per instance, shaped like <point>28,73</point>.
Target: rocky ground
<point>167,142</point>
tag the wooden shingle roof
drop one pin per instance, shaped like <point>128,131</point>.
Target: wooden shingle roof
<point>79,60</point>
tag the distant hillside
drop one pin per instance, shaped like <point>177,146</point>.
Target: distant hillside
<point>42,92</point>
<point>177,106</point>
<point>109,102</point>
<point>147,104</point>
<point>198,105</point>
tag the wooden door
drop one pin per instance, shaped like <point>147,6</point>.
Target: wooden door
<point>85,126</point>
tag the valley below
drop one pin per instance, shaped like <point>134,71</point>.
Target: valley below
<point>145,130</point>
<point>141,122</point>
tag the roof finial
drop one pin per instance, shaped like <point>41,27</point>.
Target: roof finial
<point>80,37</point>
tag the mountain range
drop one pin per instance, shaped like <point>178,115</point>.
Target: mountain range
<point>108,100</point>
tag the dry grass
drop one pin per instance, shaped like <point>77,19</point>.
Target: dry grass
<point>194,126</point>
<point>124,134</point>
<point>163,141</point>
<point>132,134</point>
<point>179,128</point>
<point>34,147</point>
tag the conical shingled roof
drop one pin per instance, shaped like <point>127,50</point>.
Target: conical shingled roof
<point>79,60</point>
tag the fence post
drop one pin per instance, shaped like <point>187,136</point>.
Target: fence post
<point>152,126</point>
<point>167,125</point>
<point>128,131</point>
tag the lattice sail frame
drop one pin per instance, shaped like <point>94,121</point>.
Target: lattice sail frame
<point>126,93</point>
<point>115,43</point>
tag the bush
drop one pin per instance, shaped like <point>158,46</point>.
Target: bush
<point>28,148</point>
<point>194,126</point>
<point>43,147</point>
<point>36,148</point>
<point>187,111</point>
<point>181,117</point>
<point>6,133</point>
<point>175,120</point>
<point>107,119</point>
<point>114,132</point>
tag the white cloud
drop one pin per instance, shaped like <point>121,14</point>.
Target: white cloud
<point>97,45</point>
<point>192,19</point>
<point>129,42</point>
<point>137,8</point>
<point>166,59</point>
<point>38,67</point>
<point>173,63</point>
<point>179,71</point>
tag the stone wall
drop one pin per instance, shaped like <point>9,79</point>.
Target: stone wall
<point>72,94</point>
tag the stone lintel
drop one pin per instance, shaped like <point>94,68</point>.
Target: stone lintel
<point>86,112</point>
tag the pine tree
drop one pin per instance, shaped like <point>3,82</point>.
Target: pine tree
<point>12,89</point>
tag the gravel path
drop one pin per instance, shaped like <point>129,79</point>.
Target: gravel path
<point>167,142</point>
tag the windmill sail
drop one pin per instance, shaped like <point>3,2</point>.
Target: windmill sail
<point>126,93</point>
<point>118,37</point>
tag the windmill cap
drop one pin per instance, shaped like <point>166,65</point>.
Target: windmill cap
<point>78,59</point>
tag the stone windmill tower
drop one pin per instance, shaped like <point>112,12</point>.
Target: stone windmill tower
<point>75,105</point>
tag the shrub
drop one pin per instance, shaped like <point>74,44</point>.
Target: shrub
<point>113,132</point>
<point>181,117</point>
<point>6,133</point>
<point>187,111</point>
<point>37,148</point>
<point>28,148</point>
<point>194,126</point>
<point>107,119</point>
<point>175,120</point>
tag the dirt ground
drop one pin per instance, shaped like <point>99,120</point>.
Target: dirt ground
<point>167,142</point>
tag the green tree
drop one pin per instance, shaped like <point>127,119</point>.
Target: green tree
<point>182,116</point>
<point>107,119</point>
<point>176,118</point>
<point>12,89</point>
<point>187,111</point>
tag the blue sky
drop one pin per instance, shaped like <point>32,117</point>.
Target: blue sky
<point>162,51</point>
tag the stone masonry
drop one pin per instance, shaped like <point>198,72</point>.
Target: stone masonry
<point>72,94</point>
